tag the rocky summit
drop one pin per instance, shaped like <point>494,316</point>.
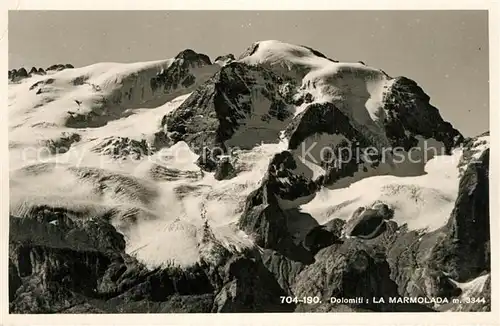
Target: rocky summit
<point>279,180</point>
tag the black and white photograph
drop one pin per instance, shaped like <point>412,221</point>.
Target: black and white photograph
<point>248,161</point>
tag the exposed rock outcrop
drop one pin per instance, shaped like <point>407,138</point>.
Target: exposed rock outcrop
<point>83,269</point>
<point>240,106</point>
<point>59,67</point>
<point>123,148</point>
<point>264,216</point>
<point>463,252</point>
<point>409,114</point>
<point>333,152</point>
<point>224,170</point>
<point>179,73</point>
<point>16,75</point>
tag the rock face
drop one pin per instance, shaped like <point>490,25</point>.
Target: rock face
<point>279,106</point>
<point>80,267</point>
<point>409,263</point>
<point>368,223</point>
<point>408,109</point>
<point>179,72</point>
<point>263,219</point>
<point>59,67</point>
<point>342,265</point>
<point>464,251</point>
<point>120,148</point>
<point>249,287</point>
<point>448,255</point>
<point>17,75</point>
<point>99,273</point>
<point>224,170</point>
<point>319,237</point>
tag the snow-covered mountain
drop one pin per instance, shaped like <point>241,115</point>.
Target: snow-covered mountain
<point>187,185</point>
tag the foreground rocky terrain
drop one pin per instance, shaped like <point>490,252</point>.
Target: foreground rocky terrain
<point>183,186</point>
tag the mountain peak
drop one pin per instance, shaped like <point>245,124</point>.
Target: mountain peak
<point>192,56</point>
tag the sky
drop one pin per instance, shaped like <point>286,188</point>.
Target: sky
<point>445,52</point>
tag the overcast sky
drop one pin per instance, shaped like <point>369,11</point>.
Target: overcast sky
<point>446,52</point>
